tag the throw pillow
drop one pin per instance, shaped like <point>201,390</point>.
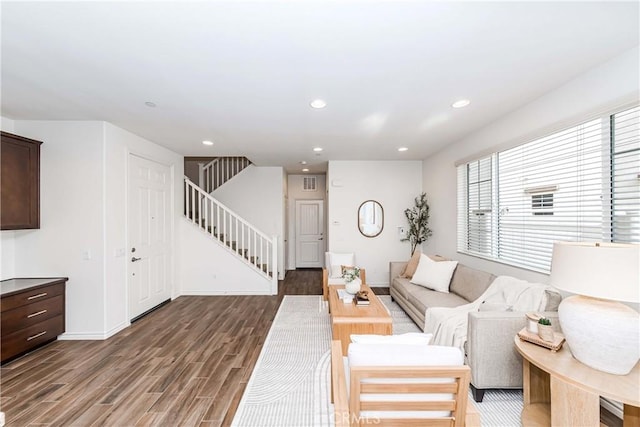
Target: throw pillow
<point>408,338</point>
<point>411,266</point>
<point>434,275</point>
<point>553,300</point>
<point>336,261</point>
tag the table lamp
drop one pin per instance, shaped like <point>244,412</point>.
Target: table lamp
<point>600,331</point>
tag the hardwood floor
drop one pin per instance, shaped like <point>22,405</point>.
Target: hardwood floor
<point>186,364</point>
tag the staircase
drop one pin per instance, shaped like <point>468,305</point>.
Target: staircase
<point>255,248</point>
<point>220,170</point>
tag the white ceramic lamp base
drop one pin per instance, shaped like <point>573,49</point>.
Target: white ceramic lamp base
<point>602,334</point>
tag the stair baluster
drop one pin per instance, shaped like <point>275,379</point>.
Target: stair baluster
<point>230,230</point>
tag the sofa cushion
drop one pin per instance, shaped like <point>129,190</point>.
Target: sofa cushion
<point>408,338</point>
<point>422,298</point>
<point>403,286</point>
<point>470,283</point>
<point>403,355</point>
<point>434,275</point>
<point>553,300</point>
<point>335,261</point>
<point>410,269</point>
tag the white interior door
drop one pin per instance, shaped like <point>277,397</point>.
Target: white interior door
<point>149,223</point>
<point>309,233</point>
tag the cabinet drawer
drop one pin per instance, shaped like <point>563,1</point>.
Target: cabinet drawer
<point>27,315</point>
<point>24,339</point>
<point>30,296</point>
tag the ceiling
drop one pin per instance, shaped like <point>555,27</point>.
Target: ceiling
<point>242,74</point>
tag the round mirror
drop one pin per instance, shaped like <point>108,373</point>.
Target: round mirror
<point>370,218</point>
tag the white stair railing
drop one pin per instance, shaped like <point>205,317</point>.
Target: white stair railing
<point>237,235</point>
<point>220,170</point>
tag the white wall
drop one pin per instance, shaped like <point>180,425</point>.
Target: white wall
<point>295,192</point>
<point>394,184</point>
<point>7,255</point>
<point>7,124</point>
<point>208,268</point>
<point>7,247</point>
<point>610,85</point>
<point>71,218</point>
<point>257,195</point>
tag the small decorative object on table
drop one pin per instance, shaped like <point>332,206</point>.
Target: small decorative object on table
<point>351,276</point>
<point>532,322</point>
<point>545,330</point>
<point>345,296</point>
<point>361,298</point>
<point>555,345</point>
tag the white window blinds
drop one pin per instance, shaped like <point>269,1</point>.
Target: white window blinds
<point>625,149</point>
<point>579,184</point>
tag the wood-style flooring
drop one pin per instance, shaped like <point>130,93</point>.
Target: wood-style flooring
<point>185,364</point>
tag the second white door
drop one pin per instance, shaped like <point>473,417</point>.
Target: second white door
<point>309,233</point>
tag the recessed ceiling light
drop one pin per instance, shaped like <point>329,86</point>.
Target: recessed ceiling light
<point>402,149</point>
<point>303,162</point>
<point>318,103</point>
<point>150,104</point>
<point>207,142</point>
<point>317,149</point>
<point>305,170</point>
<point>461,103</point>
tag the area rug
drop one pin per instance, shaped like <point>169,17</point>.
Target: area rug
<point>289,386</point>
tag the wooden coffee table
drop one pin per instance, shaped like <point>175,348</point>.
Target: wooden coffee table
<point>347,319</point>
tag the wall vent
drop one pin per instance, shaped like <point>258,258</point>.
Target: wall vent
<point>309,183</point>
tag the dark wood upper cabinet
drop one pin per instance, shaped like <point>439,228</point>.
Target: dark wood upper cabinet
<point>19,182</point>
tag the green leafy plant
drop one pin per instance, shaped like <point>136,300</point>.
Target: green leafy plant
<point>544,321</point>
<point>350,274</point>
<point>418,218</point>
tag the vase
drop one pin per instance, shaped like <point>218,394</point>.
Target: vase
<point>353,286</point>
<point>545,332</point>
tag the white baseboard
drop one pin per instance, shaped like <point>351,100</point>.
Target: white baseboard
<point>222,293</point>
<point>93,336</point>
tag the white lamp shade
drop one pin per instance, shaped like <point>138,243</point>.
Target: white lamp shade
<point>600,270</point>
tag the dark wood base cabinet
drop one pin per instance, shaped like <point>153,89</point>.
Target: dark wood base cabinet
<point>31,314</point>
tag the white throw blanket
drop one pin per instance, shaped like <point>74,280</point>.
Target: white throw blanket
<point>449,325</point>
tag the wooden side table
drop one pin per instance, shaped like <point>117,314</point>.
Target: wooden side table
<point>560,391</point>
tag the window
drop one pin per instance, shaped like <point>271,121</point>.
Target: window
<point>625,153</point>
<point>579,184</point>
<point>542,204</point>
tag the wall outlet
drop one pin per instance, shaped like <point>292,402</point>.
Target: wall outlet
<point>86,254</point>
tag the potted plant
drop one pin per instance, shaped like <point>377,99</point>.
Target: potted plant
<point>418,218</point>
<point>352,282</point>
<point>545,330</point>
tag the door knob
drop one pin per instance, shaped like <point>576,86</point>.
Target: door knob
<point>134,259</point>
<point>320,238</point>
